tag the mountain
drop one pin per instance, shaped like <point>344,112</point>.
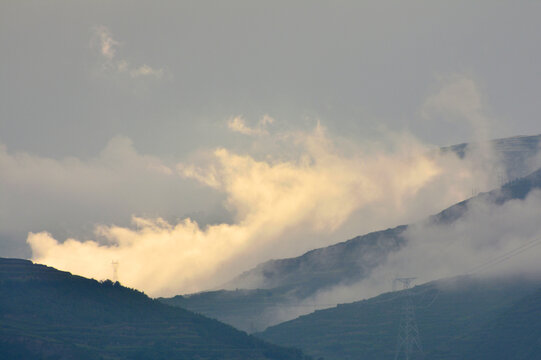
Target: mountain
<point>354,258</point>
<point>51,314</point>
<point>517,154</point>
<point>288,281</point>
<point>460,318</point>
<point>515,333</point>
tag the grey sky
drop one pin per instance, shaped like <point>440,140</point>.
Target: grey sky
<point>355,65</point>
<point>169,75</point>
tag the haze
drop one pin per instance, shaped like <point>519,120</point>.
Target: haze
<point>190,141</point>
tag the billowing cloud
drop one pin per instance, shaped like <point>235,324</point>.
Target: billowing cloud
<point>68,196</point>
<point>313,190</point>
<point>459,99</point>
<point>238,124</point>
<point>108,48</point>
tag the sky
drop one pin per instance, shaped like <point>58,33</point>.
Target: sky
<point>235,132</point>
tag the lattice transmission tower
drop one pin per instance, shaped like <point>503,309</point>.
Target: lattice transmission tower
<point>114,263</point>
<point>408,345</point>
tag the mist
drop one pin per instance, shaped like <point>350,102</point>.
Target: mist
<point>488,240</point>
<point>313,189</point>
<point>179,225</point>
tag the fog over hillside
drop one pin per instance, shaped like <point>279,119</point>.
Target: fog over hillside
<point>495,232</point>
<point>256,161</point>
<point>281,207</point>
<point>489,317</point>
<point>474,243</point>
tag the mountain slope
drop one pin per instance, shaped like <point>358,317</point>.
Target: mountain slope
<point>353,259</point>
<point>455,317</point>
<point>287,281</point>
<point>50,314</point>
<point>295,279</point>
<point>516,333</point>
<point>516,154</point>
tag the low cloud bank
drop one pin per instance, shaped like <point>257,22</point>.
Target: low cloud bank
<point>311,191</point>
<point>291,192</point>
<point>488,240</point>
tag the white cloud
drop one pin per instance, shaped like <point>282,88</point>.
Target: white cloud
<point>68,196</point>
<point>468,246</point>
<point>266,119</point>
<point>107,47</point>
<point>238,124</point>
<point>107,43</point>
<point>311,191</point>
<point>146,70</point>
<point>459,99</point>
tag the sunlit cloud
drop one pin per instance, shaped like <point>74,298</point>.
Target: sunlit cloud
<point>108,49</point>
<point>107,43</point>
<point>238,124</point>
<point>314,190</point>
<point>459,100</point>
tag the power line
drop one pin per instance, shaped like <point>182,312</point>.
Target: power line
<point>495,261</point>
<point>409,342</point>
<point>504,257</point>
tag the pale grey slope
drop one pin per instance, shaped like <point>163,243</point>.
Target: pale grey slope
<point>516,153</point>
<point>283,283</point>
<point>347,262</point>
<point>354,258</point>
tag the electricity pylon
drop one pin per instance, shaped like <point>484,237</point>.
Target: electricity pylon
<point>409,343</point>
<point>115,270</point>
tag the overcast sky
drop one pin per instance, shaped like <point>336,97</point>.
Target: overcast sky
<point>356,65</point>
<point>100,100</point>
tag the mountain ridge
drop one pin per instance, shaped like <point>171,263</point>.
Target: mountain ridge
<point>51,314</point>
<point>456,317</point>
<point>301,277</point>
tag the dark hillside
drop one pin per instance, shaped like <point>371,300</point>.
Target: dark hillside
<point>514,334</point>
<point>453,317</point>
<point>50,314</point>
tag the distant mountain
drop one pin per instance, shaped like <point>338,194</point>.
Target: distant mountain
<point>50,314</point>
<point>459,318</point>
<point>354,258</point>
<point>288,281</point>
<point>514,334</point>
<point>516,153</point>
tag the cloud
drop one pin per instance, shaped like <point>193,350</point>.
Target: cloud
<point>68,196</point>
<point>307,192</point>
<point>459,99</point>
<point>146,70</point>
<point>266,119</point>
<point>108,49</point>
<point>476,244</point>
<point>107,43</point>
<point>238,124</point>
<point>473,244</point>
